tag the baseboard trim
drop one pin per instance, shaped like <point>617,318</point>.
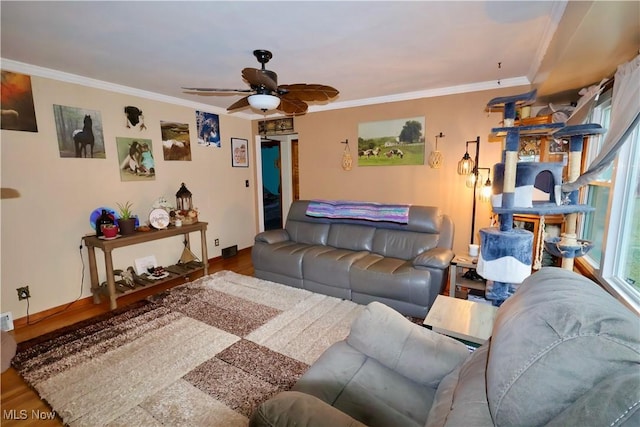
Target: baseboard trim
<point>83,303</point>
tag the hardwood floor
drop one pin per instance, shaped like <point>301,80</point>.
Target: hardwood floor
<point>21,405</point>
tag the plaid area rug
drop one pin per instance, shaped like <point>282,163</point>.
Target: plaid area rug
<point>204,353</point>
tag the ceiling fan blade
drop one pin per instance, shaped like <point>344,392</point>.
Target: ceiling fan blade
<point>292,106</point>
<point>261,78</point>
<point>195,90</point>
<point>241,103</point>
<point>309,92</point>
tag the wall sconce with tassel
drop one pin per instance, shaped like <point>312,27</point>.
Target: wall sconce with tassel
<point>347,160</point>
<point>436,158</point>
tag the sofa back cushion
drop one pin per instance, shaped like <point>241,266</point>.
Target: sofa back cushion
<point>308,233</point>
<point>402,244</point>
<point>556,338</point>
<point>427,228</point>
<point>304,229</point>
<point>352,237</point>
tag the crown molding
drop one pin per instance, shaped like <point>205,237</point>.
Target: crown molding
<point>429,93</point>
<point>557,12</point>
<point>34,70</point>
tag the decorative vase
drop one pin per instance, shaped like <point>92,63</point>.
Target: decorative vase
<point>127,226</point>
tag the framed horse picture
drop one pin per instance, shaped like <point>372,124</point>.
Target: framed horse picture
<point>79,132</point>
<point>135,157</point>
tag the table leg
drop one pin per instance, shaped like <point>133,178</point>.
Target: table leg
<point>205,256</point>
<point>111,281</point>
<point>452,280</point>
<point>93,274</point>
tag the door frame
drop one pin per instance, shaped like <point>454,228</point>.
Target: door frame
<point>286,172</point>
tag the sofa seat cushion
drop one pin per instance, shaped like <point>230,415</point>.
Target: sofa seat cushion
<point>391,278</point>
<point>552,344</point>
<point>365,389</point>
<point>282,258</point>
<point>292,408</point>
<point>328,265</point>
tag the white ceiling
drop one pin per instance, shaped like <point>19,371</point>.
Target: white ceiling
<point>370,51</point>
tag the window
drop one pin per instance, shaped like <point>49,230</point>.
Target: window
<point>614,226</point>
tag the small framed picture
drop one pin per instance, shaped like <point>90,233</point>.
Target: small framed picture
<point>239,153</point>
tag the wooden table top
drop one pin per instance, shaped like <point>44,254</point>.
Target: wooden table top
<point>462,319</point>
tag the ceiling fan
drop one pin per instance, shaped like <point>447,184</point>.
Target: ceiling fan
<point>267,95</point>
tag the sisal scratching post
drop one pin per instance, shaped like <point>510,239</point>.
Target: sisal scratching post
<point>569,237</point>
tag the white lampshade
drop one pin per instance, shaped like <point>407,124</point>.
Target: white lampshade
<point>264,102</point>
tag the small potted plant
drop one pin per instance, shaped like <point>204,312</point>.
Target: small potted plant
<point>126,219</point>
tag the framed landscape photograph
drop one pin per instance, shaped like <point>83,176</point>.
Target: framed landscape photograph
<point>239,153</point>
<point>276,126</point>
<point>391,142</point>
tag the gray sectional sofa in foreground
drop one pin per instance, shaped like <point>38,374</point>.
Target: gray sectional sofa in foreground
<point>563,353</point>
<point>404,266</point>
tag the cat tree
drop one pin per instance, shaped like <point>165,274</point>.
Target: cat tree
<point>506,253</point>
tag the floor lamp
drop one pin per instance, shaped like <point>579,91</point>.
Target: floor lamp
<point>468,167</point>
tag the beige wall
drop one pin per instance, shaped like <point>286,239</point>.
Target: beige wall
<point>460,117</point>
<point>41,231</point>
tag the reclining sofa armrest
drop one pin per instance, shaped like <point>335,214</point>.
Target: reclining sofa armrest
<point>439,258</point>
<point>291,408</point>
<point>404,347</point>
<point>272,236</point>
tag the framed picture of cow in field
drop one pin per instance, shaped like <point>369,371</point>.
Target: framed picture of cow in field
<point>79,132</point>
<point>208,125</point>
<point>135,158</point>
<point>391,142</point>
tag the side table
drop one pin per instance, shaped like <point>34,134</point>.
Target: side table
<point>458,266</point>
<point>468,321</point>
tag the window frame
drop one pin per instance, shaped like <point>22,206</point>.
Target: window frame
<point>608,271</point>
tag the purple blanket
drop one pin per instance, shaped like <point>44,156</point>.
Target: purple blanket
<point>358,210</point>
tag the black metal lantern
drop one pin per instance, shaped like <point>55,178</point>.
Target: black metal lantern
<point>183,199</point>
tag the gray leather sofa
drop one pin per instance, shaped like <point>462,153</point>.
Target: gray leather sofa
<point>402,265</point>
<point>563,353</point>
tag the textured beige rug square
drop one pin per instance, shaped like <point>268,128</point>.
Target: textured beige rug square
<point>204,353</point>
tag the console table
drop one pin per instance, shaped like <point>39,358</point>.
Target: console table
<point>107,246</point>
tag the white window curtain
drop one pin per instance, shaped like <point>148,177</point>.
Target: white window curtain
<point>625,115</point>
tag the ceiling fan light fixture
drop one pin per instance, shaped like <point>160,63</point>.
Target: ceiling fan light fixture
<point>264,102</point>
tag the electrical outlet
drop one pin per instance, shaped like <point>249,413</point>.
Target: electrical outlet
<point>7,321</point>
<point>23,293</point>
<point>216,242</point>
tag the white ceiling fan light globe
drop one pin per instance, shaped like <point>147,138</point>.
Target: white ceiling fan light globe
<point>264,102</point>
